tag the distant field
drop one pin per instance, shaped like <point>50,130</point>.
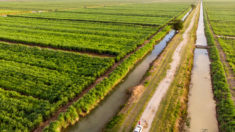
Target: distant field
<point>221,16</point>
<point>36,81</point>
<point>79,36</point>
<point>156,14</point>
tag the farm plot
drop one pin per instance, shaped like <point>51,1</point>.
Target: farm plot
<point>149,14</point>
<point>80,36</point>
<point>221,16</point>
<point>35,82</point>
<point>222,19</point>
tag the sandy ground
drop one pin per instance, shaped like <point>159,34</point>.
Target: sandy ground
<point>152,107</point>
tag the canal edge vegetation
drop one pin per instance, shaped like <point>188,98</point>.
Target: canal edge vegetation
<point>224,104</point>
<point>131,112</point>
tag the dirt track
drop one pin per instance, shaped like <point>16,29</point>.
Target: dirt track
<point>152,107</point>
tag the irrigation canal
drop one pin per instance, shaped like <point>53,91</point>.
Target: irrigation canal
<point>201,105</point>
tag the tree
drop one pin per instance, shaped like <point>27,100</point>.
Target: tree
<point>193,6</point>
<point>177,24</point>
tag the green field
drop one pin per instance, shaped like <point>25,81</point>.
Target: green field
<point>40,78</point>
<point>47,59</point>
<point>79,36</point>
<point>222,19</point>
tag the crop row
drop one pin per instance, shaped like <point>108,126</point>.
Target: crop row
<point>85,104</point>
<point>228,46</point>
<point>19,112</point>
<point>44,80</point>
<point>153,14</point>
<point>145,10</point>
<point>225,107</point>
<point>74,38</point>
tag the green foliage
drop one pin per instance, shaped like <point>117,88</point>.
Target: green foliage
<point>225,106</point>
<point>193,6</point>
<point>43,80</point>
<point>177,24</point>
<point>221,16</point>
<point>114,121</point>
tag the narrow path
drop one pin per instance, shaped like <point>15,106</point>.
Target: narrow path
<point>152,107</point>
<point>230,77</point>
<point>225,36</point>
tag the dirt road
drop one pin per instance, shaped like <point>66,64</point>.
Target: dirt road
<point>152,107</point>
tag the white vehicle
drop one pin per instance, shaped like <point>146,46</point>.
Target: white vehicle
<point>138,128</point>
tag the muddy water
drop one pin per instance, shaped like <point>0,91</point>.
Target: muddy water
<point>201,106</point>
<point>101,115</point>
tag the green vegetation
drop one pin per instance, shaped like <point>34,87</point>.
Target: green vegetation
<point>221,16</point>
<point>38,81</point>
<point>224,106</point>
<point>228,46</point>
<point>79,36</point>
<point>177,24</point>
<point>134,14</point>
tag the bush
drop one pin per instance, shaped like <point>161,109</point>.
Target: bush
<point>177,24</point>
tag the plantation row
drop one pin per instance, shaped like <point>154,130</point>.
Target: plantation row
<point>156,14</point>
<point>228,46</point>
<point>224,104</point>
<point>91,99</point>
<point>48,78</point>
<point>147,10</point>
<point>19,112</point>
<point>98,40</point>
<point>102,18</point>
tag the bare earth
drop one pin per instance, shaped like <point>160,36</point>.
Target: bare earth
<point>152,107</point>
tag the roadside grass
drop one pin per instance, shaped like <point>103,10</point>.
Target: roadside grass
<point>131,113</point>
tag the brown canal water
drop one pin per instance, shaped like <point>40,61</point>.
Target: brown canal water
<point>108,108</point>
<point>201,105</point>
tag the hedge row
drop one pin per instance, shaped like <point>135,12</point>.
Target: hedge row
<point>224,103</point>
<point>91,99</point>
